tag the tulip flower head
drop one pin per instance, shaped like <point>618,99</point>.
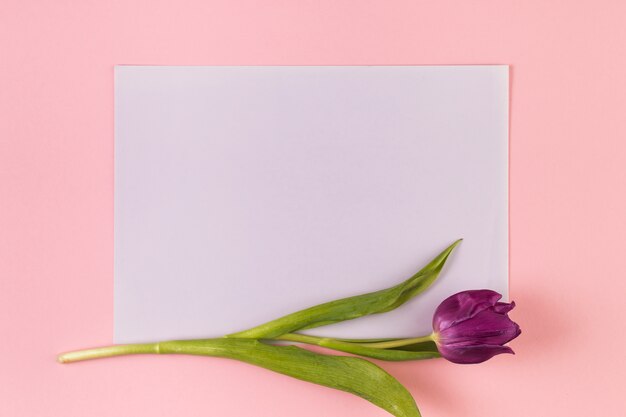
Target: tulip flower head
<point>473,326</point>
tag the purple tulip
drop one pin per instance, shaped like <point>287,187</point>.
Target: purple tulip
<point>472,326</point>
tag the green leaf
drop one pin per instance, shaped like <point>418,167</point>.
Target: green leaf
<point>352,307</point>
<point>353,375</point>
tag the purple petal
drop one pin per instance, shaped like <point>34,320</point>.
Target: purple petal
<point>504,308</point>
<point>462,306</point>
<point>485,328</point>
<point>473,354</point>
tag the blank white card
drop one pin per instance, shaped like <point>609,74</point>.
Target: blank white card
<point>246,193</point>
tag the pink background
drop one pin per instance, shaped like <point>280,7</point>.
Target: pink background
<point>567,183</point>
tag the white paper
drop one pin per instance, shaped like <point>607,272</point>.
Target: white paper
<point>246,193</point>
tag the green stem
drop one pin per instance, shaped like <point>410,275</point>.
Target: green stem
<point>378,350</point>
<point>399,342</point>
<point>368,350</point>
<point>109,351</point>
<point>324,341</point>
